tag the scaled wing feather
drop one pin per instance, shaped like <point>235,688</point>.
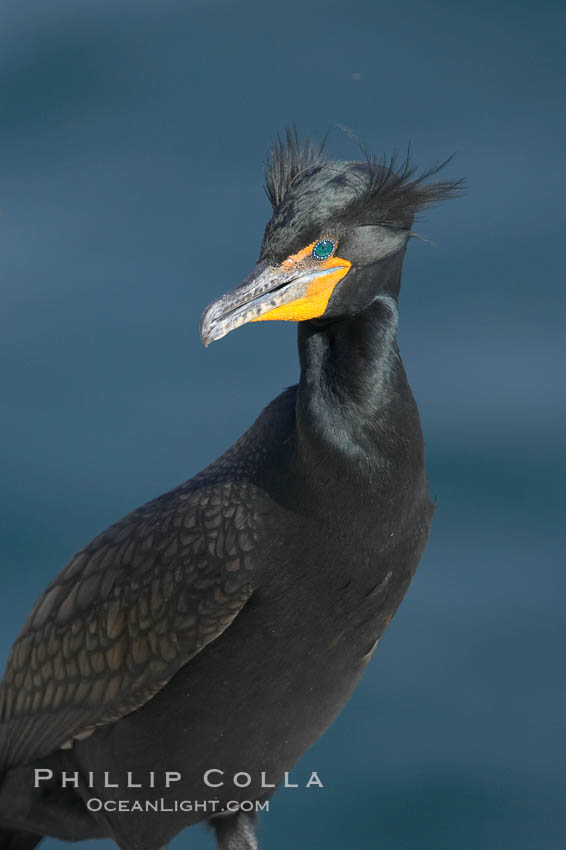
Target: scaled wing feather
<point>125,614</point>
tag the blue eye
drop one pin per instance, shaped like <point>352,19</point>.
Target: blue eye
<point>323,249</point>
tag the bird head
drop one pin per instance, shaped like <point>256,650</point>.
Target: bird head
<point>335,241</point>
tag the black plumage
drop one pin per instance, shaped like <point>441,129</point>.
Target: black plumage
<point>225,624</point>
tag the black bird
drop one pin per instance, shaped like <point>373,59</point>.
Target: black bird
<point>224,625</point>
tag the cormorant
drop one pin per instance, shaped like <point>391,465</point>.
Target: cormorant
<point>224,625</point>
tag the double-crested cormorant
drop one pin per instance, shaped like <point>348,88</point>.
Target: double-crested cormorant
<point>224,625</point>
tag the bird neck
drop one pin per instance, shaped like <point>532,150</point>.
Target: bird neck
<point>355,414</point>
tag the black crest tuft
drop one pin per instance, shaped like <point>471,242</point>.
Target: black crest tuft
<point>394,190</point>
<point>390,191</point>
<point>290,159</point>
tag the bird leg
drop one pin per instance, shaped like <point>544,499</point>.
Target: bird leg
<point>235,832</point>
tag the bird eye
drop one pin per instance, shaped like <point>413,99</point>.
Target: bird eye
<point>323,249</point>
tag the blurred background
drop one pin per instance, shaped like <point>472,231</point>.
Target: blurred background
<point>132,142</point>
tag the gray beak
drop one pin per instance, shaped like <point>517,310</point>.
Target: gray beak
<point>264,289</point>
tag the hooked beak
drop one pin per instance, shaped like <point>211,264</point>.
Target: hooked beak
<point>273,292</point>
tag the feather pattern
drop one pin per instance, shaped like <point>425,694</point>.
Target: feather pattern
<point>125,614</point>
